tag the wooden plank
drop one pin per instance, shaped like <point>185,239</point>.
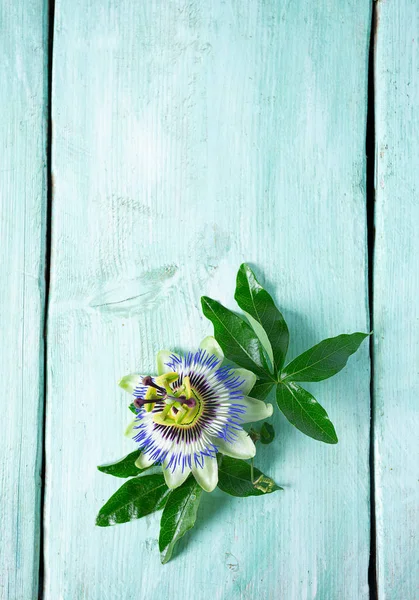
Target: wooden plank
<point>396,291</point>
<point>189,137</point>
<point>23,96</point>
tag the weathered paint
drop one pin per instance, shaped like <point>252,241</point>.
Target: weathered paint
<point>396,293</point>
<point>187,138</point>
<point>23,51</point>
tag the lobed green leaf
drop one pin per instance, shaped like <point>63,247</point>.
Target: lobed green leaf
<point>305,413</point>
<point>237,339</point>
<point>136,498</point>
<point>323,360</point>
<point>256,302</point>
<point>261,389</point>
<point>179,515</point>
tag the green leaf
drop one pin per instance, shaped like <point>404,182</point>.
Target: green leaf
<point>178,516</point>
<point>323,360</point>
<point>261,333</point>
<point>255,300</point>
<point>235,478</point>
<point>305,413</point>
<point>124,467</point>
<point>137,498</point>
<point>237,339</point>
<point>267,433</point>
<point>261,389</point>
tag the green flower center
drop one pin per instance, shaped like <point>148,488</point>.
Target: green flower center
<point>183,406</point>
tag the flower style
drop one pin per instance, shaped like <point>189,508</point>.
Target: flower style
<point>192,410</point>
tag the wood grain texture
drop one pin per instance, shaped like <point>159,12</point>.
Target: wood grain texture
<point>23,51</point>
<point>189,137</point>
<point>396,313</point>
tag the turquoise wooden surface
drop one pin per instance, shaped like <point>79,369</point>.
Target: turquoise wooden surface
<point>396,305</point>
<point>187,138</point>
<point>23,39</point>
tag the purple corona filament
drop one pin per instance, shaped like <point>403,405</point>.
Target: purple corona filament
<point>180,429</point>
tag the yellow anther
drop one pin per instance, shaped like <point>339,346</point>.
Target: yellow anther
<point>165,411</point>
<point>181,414</point>
<point>166,379</point>
<point>150,395</point>
<point>187,384</point>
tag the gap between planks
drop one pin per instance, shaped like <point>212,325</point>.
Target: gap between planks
<point>370,149</point>
<point>48,245</point>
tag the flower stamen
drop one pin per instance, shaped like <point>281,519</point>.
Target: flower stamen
<point>187,384</point>
<point>181,414</point>
<point>148,382</point>
<point>139,403</point>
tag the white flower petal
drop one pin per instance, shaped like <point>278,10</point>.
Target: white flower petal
<point>129,431</point>
<point>242,447</point>
<point>211,345</point>
<point>130,382</point>
<point>249,379</point>
<point>163,357</point>
<point>207,477</point>
<point>144,461</point>
<point>256,410</point>
<point>176,478</point>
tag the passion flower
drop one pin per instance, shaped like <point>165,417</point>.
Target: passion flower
<point>193,409</point>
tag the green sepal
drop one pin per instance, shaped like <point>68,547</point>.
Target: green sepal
<point>129,382</point>
<point>129,430</point>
